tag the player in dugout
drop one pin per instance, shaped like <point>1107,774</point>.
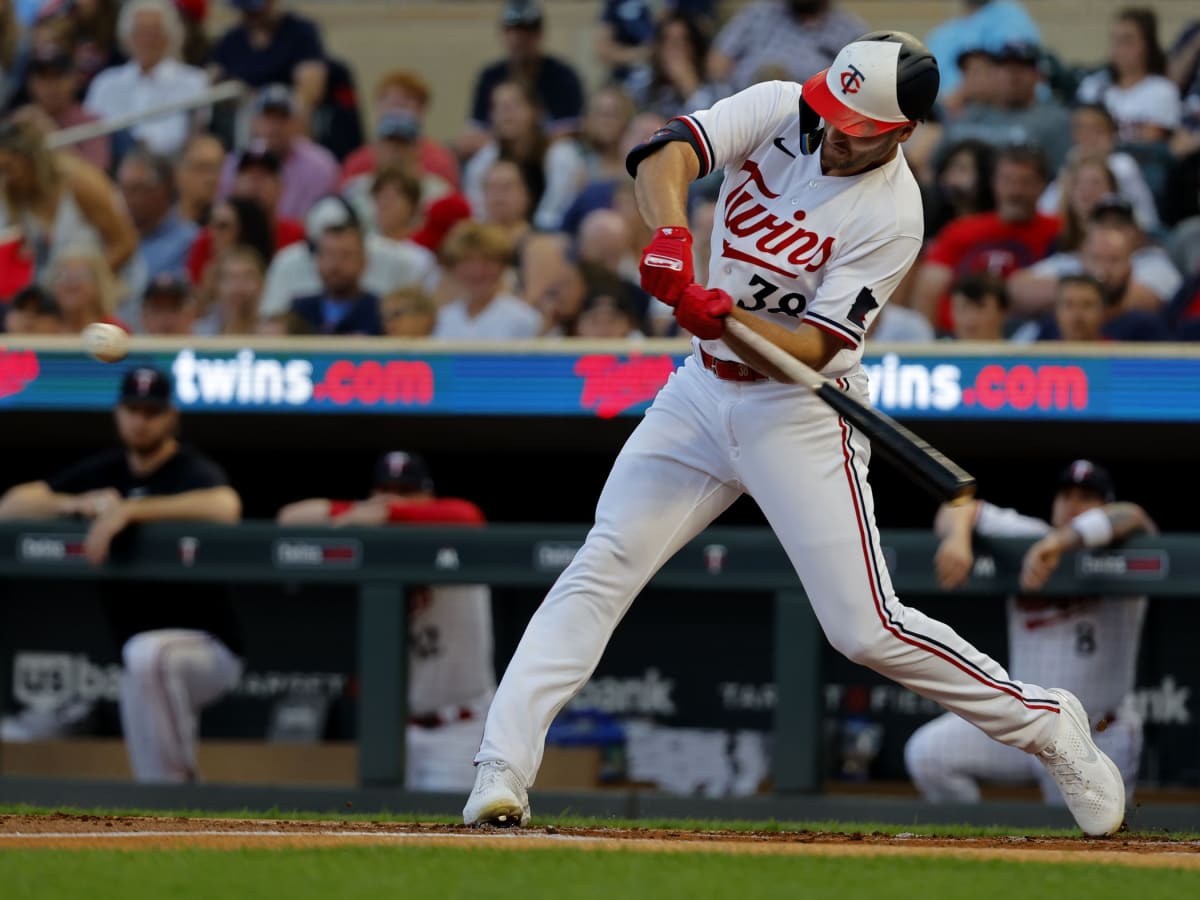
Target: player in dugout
<point>1089,645</point>
<point>179,649</point>
<point>451,677</point>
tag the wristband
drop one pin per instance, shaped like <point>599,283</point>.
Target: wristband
<point>1094,527</point>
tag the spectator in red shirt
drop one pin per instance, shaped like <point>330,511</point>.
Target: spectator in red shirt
<point>404,91</point>
<point>256,179</point>
<point>1012,237</point>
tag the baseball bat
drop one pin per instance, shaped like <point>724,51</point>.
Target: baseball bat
<point>926,465</point>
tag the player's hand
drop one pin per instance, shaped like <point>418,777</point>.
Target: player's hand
<point>953,562</point>
<point>702,311</point>
<point>93,503</point>
<point>1040,562</point>
<point>666,265</point>
<point>105,527</point>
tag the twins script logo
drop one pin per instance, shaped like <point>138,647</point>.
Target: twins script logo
<point>611,386</point>
<point>779,240</point>
<point>17,369</point>
<point>852,80</point>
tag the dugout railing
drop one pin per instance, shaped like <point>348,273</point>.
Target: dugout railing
<point>382,562</point>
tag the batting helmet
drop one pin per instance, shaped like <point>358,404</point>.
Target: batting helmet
<point>878,83</point>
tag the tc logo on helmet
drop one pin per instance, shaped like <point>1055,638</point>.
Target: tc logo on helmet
<point>852,80</point>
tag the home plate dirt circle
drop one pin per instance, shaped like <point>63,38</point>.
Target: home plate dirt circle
<point>81,832</point>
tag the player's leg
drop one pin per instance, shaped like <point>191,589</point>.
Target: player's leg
<point>810,479</point>
<point>169,676</point>
<point>1121,741</point>
<point>948,757</point>
<point>669,481</point>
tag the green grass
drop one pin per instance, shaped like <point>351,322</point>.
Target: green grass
<point>446,873</point>
<point>568,821</point>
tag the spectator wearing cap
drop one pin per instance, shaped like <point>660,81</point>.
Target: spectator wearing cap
<point>1133,86</point>
<point>986,24</point>
<point>1015,115</point>
<point>33,311</point>
<point>238,277</point>
<point>403,92</point>
<point>151,32</point>
<point>555,86</point>
<point>168,309</point>
<point>178,650</point>
<point>396,147</point>
<point>451,675</point>
<point>1151,280</point>
<point>343,305</point>
<point>308,171</point>
<point>800,36</point>
<point>271,46</point>
<point>198,176</point>
<point>295,272</point>
<point>147,184</point>
<point>1013,236</point>
<point>477,256</point>
<point>53,87</point>
<point>1094,133</point>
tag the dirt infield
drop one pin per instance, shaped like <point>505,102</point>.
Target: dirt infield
<point>155,833</point>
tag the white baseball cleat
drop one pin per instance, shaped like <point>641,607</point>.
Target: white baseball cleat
<point>498,797</point>
<point>1090,782</point>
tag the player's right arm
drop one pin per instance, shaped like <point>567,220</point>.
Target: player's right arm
<point>36,500</point>
<point>1099,527</point>
<point>954,558</point>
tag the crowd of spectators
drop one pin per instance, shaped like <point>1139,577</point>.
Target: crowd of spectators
<point>1062,202</point>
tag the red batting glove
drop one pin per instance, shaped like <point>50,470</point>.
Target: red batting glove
<point>702,311</point>
<point>667,264</point>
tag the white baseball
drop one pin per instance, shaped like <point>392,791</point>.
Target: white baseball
<point>105,342</point>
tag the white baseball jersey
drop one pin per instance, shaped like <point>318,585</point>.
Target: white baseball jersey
<point>450,651</point>
<point>1087,645</point>
<point>791,244</point>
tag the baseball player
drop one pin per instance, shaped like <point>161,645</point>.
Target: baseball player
<point>451,677</point>
<point>817,221</point>
<point>180,648</point>
<point>1086,644</point>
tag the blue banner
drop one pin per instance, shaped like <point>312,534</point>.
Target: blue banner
<point>1153,387</point>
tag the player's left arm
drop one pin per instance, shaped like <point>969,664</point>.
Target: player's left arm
<point>1102,526</point>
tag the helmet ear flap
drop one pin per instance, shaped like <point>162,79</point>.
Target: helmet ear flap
<point>811,131</point>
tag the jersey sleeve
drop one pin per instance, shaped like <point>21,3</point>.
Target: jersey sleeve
<point>996,521</point>
<point>727,132</point>
<point>91,474</point>
<point>857,285</point>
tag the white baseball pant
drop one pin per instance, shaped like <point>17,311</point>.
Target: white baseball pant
<point>702,443</point>
<point>170,675</point>
<point>947,759</point>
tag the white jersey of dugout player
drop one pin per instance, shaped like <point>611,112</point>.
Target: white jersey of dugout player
<point>1087,645</point>
<point>791,244</point>
<point>451,682</point>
